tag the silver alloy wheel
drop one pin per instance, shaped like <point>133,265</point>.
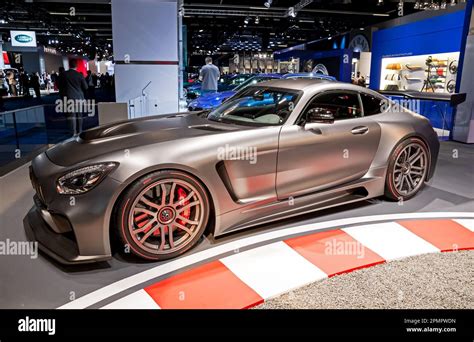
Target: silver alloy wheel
<point>166,216</point>
<point>410,169</point>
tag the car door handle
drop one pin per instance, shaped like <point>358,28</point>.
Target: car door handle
<point>359,130</point>
<point>315,130</point>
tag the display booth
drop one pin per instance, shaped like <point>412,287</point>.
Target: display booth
<point>336,63</point>
<point>421,57</point>
<point>436,73</point>
<point>52,58</point>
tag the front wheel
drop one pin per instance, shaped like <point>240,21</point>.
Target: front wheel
<point>407,170</point>
<point>162,215</point>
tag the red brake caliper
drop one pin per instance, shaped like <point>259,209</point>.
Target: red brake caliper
<point>139,220</point>
<point>186,213</point>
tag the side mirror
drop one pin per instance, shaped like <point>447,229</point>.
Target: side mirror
<point>319,115</point>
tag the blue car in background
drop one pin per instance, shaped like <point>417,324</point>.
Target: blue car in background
<point>193,91</point>
<point>211,101</point>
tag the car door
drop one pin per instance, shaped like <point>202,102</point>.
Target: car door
<point>318,155</point>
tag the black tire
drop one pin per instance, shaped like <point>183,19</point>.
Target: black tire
<point>392,191</point>
<point>131,201</point>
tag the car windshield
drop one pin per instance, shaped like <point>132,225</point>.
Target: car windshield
<point>257,106</point>
<point>253,80</point>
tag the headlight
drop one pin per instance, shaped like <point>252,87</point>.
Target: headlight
<point>83,179</point>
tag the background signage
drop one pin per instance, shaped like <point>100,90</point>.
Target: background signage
<point>23,38</point>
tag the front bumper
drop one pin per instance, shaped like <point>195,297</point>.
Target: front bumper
<point>60,247</point>
<point>71,229</point>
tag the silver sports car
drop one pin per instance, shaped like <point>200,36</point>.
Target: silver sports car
<point>274,150</point>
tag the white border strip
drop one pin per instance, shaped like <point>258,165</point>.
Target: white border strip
<point>174,265</point>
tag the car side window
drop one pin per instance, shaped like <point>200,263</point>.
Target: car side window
<point>342,105</point>
<point>372,104</point>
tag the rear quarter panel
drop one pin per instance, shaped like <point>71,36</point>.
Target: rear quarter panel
<point>398,126</point>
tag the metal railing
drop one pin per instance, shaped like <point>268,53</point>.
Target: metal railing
<point>26,131</point>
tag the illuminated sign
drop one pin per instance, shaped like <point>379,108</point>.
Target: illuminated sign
<point>23,38</point>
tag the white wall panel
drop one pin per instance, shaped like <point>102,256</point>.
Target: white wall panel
<point>145,37</point>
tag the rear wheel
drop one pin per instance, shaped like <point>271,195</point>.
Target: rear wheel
<point>163,215</point>
<point>407,169</point>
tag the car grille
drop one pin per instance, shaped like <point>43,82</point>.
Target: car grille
<point>36,185</point>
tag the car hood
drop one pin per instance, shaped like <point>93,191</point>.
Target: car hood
<point>211,100</point>
<point>138,132</point>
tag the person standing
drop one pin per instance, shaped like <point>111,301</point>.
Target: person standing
<point>90,85</point>
<point>24,84</point>
<point>361,81</point>
<point>12,84</point>
<point>61,83</point>
<point>209,76</point>
<point>53,80</point>
<point>75,89</point>
<point>35,84</point>
<point>47,81</point>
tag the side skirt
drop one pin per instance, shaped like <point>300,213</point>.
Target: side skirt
<point>257,214</point>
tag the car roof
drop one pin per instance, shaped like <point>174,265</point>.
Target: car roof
<point>310,75</point>
<point>293,83</point>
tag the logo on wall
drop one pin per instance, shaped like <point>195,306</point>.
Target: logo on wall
<point>321,69</point>
<point>50,50</point>
<point>23,38</point>
<point>359,44</point>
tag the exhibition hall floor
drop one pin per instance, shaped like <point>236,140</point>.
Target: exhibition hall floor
<point>42,283</point>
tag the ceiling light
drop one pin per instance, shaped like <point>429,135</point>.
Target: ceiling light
<point>257,20</point>
<point>246,20</point>
<point>380,3</point>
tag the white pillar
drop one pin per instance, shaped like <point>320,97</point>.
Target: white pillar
<point>145,38</point>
